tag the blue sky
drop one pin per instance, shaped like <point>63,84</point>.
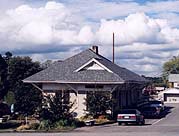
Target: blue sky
<point>146,32</point>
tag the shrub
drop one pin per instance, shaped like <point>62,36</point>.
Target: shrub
<point>45,125</point>
<point>98,103</point>
<point>54,108</point>
<point>60,124</point>
<point>101,120</point>
<point>78,123</point>
<point>102,117</point>
<point>86,117</point>
<point>34,126</point>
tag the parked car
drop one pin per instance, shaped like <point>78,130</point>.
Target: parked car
<point>4,109</point>
<point>130,116</point>
<point>150,112</point>
<point>4,112</point>
<point>158,104</point>
<point>142,101</point>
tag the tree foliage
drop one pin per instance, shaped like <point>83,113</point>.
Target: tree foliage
<point>46,64</point>
<point>155,81</point>
<point>19,69</point>
<point>98,103</point>
<point>26,96</point>
<point>28,99</point>
<point>10,98</point>
<point>3,78</point>
<point>13,70</point>
<point>170,67</point>
<point>54,108</point>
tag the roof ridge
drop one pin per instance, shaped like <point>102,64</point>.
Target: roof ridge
<point>110,62</point>
<point>76,54</point>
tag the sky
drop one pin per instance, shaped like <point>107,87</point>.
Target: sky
<point>146,32</point>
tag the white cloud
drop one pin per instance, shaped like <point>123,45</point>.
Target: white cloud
<point>171,17</point>
<point>143,42</point>
<point>162,6</point>
<point>34,33</point>
<point>86,35</point>
<point>135,28</point>
<point>116,9</point>
<point>6,4</point>
<point>53,23</point>
<point>55,55</point>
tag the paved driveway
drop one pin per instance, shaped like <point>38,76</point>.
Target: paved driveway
<point>166,126</point>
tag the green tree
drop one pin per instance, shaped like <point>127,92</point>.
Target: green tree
<point>3,78</point>
<point>98,103</point>
<point>56,109</point>
<point>46,64</point>
<point>19,69</point>
<point>8,56</point>
<point>170,67</point>
<point>27,98</point>
<point>156,81</point>
<point>10,98</point>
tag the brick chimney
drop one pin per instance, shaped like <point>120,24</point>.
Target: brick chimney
<point>95,49</point>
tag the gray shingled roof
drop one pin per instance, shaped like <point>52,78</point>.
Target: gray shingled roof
<point>65,71</point>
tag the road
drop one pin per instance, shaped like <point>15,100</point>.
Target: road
<point>166,126</point>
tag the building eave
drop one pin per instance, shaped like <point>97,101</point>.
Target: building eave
<point>73,82</point>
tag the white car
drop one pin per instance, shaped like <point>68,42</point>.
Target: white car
<point>130,116</point>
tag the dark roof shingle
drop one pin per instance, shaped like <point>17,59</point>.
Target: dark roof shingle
<point>65,71</point>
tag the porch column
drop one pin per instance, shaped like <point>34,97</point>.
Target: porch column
<point>81,103</point>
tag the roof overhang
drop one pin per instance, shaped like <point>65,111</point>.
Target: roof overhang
<point>72,82</point>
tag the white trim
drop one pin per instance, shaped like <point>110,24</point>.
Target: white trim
<point>74,82</point>
<point>95,66</point>
<point>90,61</point>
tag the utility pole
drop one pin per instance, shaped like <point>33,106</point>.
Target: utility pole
<point>113,48</point>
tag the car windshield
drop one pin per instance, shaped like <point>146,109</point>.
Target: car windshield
<point>127,112</point>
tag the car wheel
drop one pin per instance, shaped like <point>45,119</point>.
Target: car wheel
<point>143,122</point>
<point>138,123</point>
<point>119,123</point>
